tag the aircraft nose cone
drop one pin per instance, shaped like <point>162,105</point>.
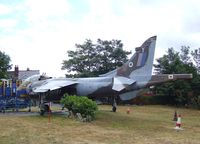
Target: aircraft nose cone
<point>29,88</point>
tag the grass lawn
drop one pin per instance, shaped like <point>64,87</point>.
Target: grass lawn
<point>144,124</point>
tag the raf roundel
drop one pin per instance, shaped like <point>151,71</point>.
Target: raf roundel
<point>170,77</point>
<point>130,64</point>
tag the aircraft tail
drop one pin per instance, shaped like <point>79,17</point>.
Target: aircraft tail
<point>141,63</point>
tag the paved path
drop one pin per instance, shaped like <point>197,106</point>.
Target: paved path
<point>10,113</point>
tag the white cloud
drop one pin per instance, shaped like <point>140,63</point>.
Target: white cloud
<point>4,9</point>
<point>42,43</point>
<point>49,32</point>
<point>8,23</point>
<point>39,10</point>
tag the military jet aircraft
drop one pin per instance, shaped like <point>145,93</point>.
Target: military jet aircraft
<point>125,82</point>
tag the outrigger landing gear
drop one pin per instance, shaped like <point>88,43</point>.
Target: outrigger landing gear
<point>114,105</point>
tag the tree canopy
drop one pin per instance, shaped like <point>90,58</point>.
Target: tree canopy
<point>4,64</point>
<point>180,92</point>
<point>93,59</point>
<point>196,57</point>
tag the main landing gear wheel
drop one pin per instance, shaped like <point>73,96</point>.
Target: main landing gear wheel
<point>44,108</point>
<point>114,109</point>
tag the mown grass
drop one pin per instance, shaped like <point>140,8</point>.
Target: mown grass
<point>144,124</point>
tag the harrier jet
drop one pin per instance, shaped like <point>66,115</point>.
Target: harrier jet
<point>125,82</point>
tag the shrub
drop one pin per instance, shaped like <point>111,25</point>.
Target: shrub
<point>79,104</point>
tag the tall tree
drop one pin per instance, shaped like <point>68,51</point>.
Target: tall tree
<point>195,100</point>
<point>110,55</point>
<point>196,57</point>
<point>91,59</point>
<point>185,54</point>
<point>171,63</point>
<point>4,64</point>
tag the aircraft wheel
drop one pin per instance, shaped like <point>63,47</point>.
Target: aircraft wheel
<point>2,110</point>
<point>44,108</point>
<point>42,112</point>
<point>114,109</point>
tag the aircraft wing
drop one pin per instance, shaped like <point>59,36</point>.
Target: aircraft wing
<point>53,84</point>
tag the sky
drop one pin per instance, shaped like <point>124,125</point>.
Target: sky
<point>37,34</point>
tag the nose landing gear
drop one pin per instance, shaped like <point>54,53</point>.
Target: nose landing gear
<point>44,107</point>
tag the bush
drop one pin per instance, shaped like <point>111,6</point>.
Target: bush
<point>79,104</point>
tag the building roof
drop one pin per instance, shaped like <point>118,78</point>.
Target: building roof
<point>25,74</point>
<point>22,74</point>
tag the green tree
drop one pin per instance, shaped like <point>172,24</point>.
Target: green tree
<point>185,54</point>
<point>91,59</point>
<point>195,96</point>
<point>4,64</point>
<point>169,63</point>
<point>176,63</point>
<point>196,58</point>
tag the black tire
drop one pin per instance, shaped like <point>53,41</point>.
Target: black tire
<point>42,112</point>
<point>44,108</point>
<point>114,109</point>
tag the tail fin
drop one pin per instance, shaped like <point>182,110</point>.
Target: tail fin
<point>141,63</point>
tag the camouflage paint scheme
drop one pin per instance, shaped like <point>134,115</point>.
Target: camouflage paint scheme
<point>125,82</point>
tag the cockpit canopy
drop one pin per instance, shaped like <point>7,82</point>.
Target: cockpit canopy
<point>32,79</point>
<point>37,78</point>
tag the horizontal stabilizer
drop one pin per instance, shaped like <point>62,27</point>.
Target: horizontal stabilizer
<point>162,78</point>
<point>119,83</point>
